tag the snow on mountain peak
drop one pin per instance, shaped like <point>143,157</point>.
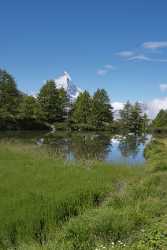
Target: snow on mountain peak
<point>67,75</point>
<point>66,83</point>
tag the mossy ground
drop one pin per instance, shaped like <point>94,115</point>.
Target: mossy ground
<point>49,204</point>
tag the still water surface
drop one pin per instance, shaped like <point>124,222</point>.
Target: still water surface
<point>127,149</point>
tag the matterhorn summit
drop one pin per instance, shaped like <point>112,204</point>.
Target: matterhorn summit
<point>66,83</point>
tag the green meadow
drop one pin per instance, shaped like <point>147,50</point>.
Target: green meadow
<point>47,203</point>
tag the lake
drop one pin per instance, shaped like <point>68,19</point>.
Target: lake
<point>127,149</point>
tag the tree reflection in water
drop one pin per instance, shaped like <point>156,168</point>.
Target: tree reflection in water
<point>80,146</point>
<point>130,145</point>
<point>90,146</point>
<point>85,146</point>
<point>93,146</point>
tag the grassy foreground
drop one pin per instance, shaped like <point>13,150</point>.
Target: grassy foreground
<point>49,204</point>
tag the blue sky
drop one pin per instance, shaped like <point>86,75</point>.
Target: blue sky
<point>115,44</point>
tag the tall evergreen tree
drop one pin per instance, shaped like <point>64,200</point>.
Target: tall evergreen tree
<point>136,119</point>
<point>10,98</point>
<point>160,122</point>
<point>53,102</point>
<point>81,113</point>
<point>63,105</point>
<point>125,114</point>
<point>47,98</point>
<point>30,115</point>
<point>9,94</point>
<point>145,123</point>
<point>132,119</point>
<point>101,109</point>
<point>30,109</point>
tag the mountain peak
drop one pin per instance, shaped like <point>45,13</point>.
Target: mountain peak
<point>67,76</point>
<point>67,84</point>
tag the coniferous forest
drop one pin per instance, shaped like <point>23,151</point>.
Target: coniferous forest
<point>51,107</point>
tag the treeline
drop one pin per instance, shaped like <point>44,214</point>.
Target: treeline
<point>159,124</point>
<point>132,119</point>
<point>92,112</point>
<point>52,108</point>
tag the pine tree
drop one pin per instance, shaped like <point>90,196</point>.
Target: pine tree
<point>145,123</point>
<point>132,119</point>
<point>136,119</point>
<point>81,113</point>
<point>47,98</point>
<point>29,109</point>
<point>9,94</point>
<point>125,114</point>
<point>63,105</point>
<point>10,98</point>
<point>53,102</point>
<point>160,122</point>
<point>101,109</point>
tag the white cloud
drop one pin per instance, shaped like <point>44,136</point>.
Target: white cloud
<point>133,56</point>
<point>108,66</point>
<point>155,45</point>
<point>151,108</point>
<point>139,57</point>
<point>117,105</point>
<point>102,72</point>
<point>125,53</point>
<point>105,70</point>
<point>154,106</point>
<point>163,87</point>
<point>142,57</point>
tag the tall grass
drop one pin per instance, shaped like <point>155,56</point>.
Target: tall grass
<point>46,203</point>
